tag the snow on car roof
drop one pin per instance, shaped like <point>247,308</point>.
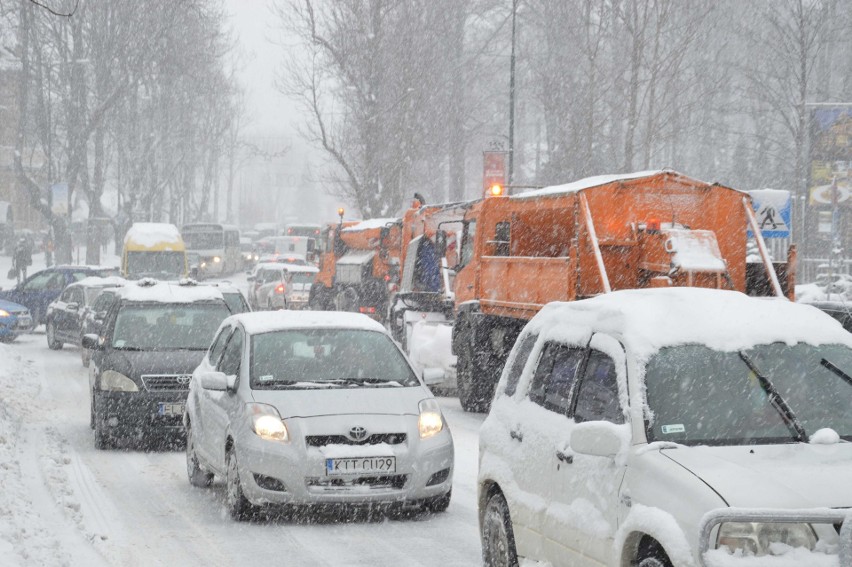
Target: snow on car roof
<point>152,233</point>
<point>299,268</point>
<point>370,224</point>
<point>649,319</point>
<point>95,281</point>
<point>166,292</point>
<point>266,321</point>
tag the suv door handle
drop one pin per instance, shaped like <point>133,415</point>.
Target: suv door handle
<point>565,458</point>
<point>516,434</point>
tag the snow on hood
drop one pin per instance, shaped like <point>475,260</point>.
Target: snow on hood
<point>267,321</point>
<point>650,319</point>
<point>794,475</point>
<point>385,400</point>
<point>370,224</point>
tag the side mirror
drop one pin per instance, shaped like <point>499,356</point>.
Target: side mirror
<point>598,438</point>
<point>92,342</point>
<point>433,376</point>
<point>72,306</point>
<point>441,243</point>
<point>216,381</point>
<point>250,278</point>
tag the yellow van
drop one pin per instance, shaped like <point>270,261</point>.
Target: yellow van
<point>154,250</point>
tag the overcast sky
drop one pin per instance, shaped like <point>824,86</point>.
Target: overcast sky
<point>270,113</point>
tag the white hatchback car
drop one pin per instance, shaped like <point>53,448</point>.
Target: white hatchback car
<point>315,408</point>
<point>671,427</point>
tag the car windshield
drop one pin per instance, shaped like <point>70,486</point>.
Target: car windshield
<point>155,264</point>
<point>203,240</point>
<point>167,326</point>
<point>303,277</point>
<point>324,358</point>
<point>235,301</point>
<point>701,396</point>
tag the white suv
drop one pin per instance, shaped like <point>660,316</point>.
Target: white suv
<point>671,427</point>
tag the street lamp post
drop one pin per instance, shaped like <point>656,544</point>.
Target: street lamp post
<point>512,98</point>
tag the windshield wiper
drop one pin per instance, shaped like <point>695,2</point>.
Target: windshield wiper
<point>362,381</point>
<point>777,401</point>
<point>836,371</point>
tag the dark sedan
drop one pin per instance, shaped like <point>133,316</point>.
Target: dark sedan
<point>65,316</point>
<point>41,288</point>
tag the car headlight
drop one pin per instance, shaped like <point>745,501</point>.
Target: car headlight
<point>216,259</point>
<point>113,381</point>
<point>266,422</point>
<point>756,538</point>
<point>431,421</point>
<point>4,313</point>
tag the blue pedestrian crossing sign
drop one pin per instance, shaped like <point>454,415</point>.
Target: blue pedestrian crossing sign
<point>772,209</point>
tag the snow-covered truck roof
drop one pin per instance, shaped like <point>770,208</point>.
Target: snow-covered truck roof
<point>153,235</point>
<point>370,224</point>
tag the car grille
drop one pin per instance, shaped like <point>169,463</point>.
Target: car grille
<point>375,439</point>
<point>166,382</point>
<point>383,482</point>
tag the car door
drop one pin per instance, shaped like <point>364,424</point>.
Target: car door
<point>221,405</point>
<point>67,324</point>
<point>29,293</point>
<point>583,514</point>
<point>57,313</point>
<point>200,400</point>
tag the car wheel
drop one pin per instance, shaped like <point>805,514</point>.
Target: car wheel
<point>92,411</point>
<point>651,554</point>
<point>102,438</point>
<point>438,504</point>
<point>498,539</point>
<point>50,332</point>
<point>238,505</point>
<point>197,476</point>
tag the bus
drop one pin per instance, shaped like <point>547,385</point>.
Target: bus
<point>310,232</point>
<point>217,245</point>
<point>155,250</point>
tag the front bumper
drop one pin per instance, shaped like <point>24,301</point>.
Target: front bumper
<point>16,324</point>
<point>295,472</point>
<point>825,521</point>
<point>133,414</point>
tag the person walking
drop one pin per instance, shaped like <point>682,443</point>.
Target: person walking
<point>23,259</point>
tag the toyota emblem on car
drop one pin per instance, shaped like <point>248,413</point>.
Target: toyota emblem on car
<point>358,433</point>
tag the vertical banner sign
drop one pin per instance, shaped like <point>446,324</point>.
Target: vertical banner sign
<point>59,199</point>
<point>493,170</point>
<point>772,209</point>
<point>831,157</point>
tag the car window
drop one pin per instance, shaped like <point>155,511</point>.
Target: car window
<point>56,281</point>
<point>231,358</point>
<point>103,302</point>
<point>77,296</point>
<point>563,377</point>
<point>597,396</point>
<point>66,295</point>
<point>519,361</point>
<point>218,345</point>
<point>542,372</point>
<point>38,282</point>
<point>167,326</point>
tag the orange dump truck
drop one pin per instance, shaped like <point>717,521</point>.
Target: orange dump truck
<point>358,263</point>
<point>589,237</point>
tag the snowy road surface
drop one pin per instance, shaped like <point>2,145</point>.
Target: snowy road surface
<point>64,503</point>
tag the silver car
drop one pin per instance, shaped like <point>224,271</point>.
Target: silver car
<point>309,408</point>
<point>292,290</point>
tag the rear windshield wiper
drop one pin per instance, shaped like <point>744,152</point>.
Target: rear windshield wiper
<point>777,401</point>
<point>836,371</point>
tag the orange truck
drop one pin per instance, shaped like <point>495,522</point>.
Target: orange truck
<point>574,241</point>
<point>358,263</point>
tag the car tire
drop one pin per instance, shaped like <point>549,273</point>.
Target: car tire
<point>498,538</point>
<point>239,508</point>
<point>92,411</point>
<point>438,504</point>
<point>198,477</point>
<point>50,333</point>
<point>103,441</point>
<point>652,554</point>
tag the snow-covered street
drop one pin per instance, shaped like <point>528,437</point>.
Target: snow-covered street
<point>65,503</point>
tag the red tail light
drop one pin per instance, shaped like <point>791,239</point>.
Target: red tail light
<point>279,288</point>
<point>368,310</point>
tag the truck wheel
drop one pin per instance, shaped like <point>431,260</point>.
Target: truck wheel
<point>472,379</point>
